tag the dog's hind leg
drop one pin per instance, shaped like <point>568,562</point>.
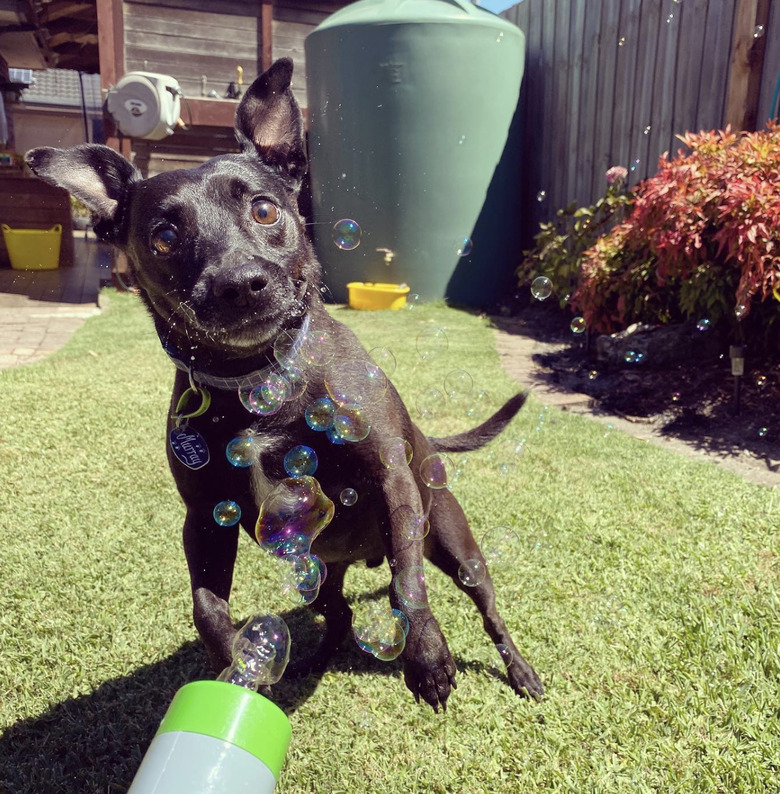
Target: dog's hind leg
<point>449,545</point>
<point>331,604</point>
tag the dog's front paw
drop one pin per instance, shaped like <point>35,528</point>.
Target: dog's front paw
<point>523,678</point>
<point>429,670</point>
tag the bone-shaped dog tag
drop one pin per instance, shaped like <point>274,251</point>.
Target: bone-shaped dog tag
<point>190,447</point>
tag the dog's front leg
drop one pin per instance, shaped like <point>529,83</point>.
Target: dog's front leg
<point>211,554</point>
<point>429,671</point>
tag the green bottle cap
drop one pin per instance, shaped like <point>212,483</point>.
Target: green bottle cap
<point>233,714</point>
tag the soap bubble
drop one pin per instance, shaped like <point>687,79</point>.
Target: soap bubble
<point>300,460</point>
<point>758,31</point>
<point>296,383</point>
<point>383,357</point>
<point>317,348</point>
<point>464,246</point>
<point>634,357</point>
<point>348,497</point>
<point>578,325</point>
<point>413,300</point>
<point>472,572</point>
<point>395,453</point>
<point>541,288</point>
<point>292,516</point>
<point>227,513</point>
<point>350,423</point>
<point>319,414</point>
<point>478,405</point>
<point>240,452</point>
<point>432,343</point>
<point>296,349</point>
<point>761,381</point>
<point>430,403</point>
<point>541,196</point>
<point>409,586</point>
<point>334,436</point>
<point>434,468</point>
<point>458,384</point>
<point>647,130</point>
<point>763,432</point>
<point>303,577</point>
<point>739,310</point>
<point>505,652</point>
<point>676,397</point>
<point>412,525</point>
<point>361,382</point>
<point>261,651</point>
<point>380,631</point>
<point>704,324</point>
<point>622,41</point>
<point>347,234</point>
<point>593,374</point>
<point>501,547</point>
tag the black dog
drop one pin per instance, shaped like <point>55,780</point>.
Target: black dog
<point>222,261</point>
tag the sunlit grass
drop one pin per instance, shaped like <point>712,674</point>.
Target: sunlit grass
<point>645,593</point>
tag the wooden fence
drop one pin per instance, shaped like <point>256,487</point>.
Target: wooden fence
<point>611,82</point>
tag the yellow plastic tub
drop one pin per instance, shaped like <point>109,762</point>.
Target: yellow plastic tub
<point>33,249</point>
<point>370,295</point>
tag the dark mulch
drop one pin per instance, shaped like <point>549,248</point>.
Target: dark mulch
<point>698,402</point>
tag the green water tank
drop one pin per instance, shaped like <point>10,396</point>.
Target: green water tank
<point>413,135</point>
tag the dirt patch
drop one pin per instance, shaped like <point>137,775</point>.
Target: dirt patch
<point>693,408</point>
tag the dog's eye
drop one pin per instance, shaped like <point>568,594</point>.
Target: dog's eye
<point>164,240</point>
<point>265,212</point>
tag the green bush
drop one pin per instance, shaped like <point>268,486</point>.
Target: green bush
<point>560,244</point>
<point>702,239</point>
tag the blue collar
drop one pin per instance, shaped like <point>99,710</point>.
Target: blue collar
<point>248,381</point>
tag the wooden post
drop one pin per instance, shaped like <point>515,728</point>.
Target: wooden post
<point>111,47</point>
<point>266,43</point>
<point>747,64</point>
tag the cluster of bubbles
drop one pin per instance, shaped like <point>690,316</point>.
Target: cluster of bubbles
<point>380,630</point>
<point>291,517</point>
<point>634,357</point>
<point>261,651</point>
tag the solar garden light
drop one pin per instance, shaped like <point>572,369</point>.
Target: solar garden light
<point>737,356</point>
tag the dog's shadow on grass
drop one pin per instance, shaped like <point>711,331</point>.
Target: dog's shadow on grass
<point>95,742</point>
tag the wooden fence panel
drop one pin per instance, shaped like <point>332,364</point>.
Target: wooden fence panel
<point>613,82</point>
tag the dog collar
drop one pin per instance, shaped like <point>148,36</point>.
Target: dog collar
<point>248,381</point>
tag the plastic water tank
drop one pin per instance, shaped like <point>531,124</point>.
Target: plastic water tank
<point>411,106</point>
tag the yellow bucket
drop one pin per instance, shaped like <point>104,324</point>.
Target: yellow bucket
<point>369,295</point>
<point>33,249</point>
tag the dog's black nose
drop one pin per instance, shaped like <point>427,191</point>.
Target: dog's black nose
<point>240,286</point>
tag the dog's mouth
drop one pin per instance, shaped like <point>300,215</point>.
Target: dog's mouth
<point>235,321</point>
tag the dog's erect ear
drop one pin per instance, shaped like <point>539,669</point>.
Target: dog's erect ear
<point>269,121</point>
<point>97,176</point>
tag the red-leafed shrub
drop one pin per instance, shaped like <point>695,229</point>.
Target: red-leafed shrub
<point>702,240</point>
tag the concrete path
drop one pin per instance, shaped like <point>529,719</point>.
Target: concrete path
<point>40,310</point>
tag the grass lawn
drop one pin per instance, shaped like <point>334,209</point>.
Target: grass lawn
<point>646,593</point>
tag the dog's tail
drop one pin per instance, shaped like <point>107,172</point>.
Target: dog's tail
<point>487,431</point>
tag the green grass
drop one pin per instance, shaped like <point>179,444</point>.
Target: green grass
<point>646,594</point>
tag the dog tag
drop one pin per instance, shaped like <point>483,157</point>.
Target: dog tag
<point>190,447</point>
